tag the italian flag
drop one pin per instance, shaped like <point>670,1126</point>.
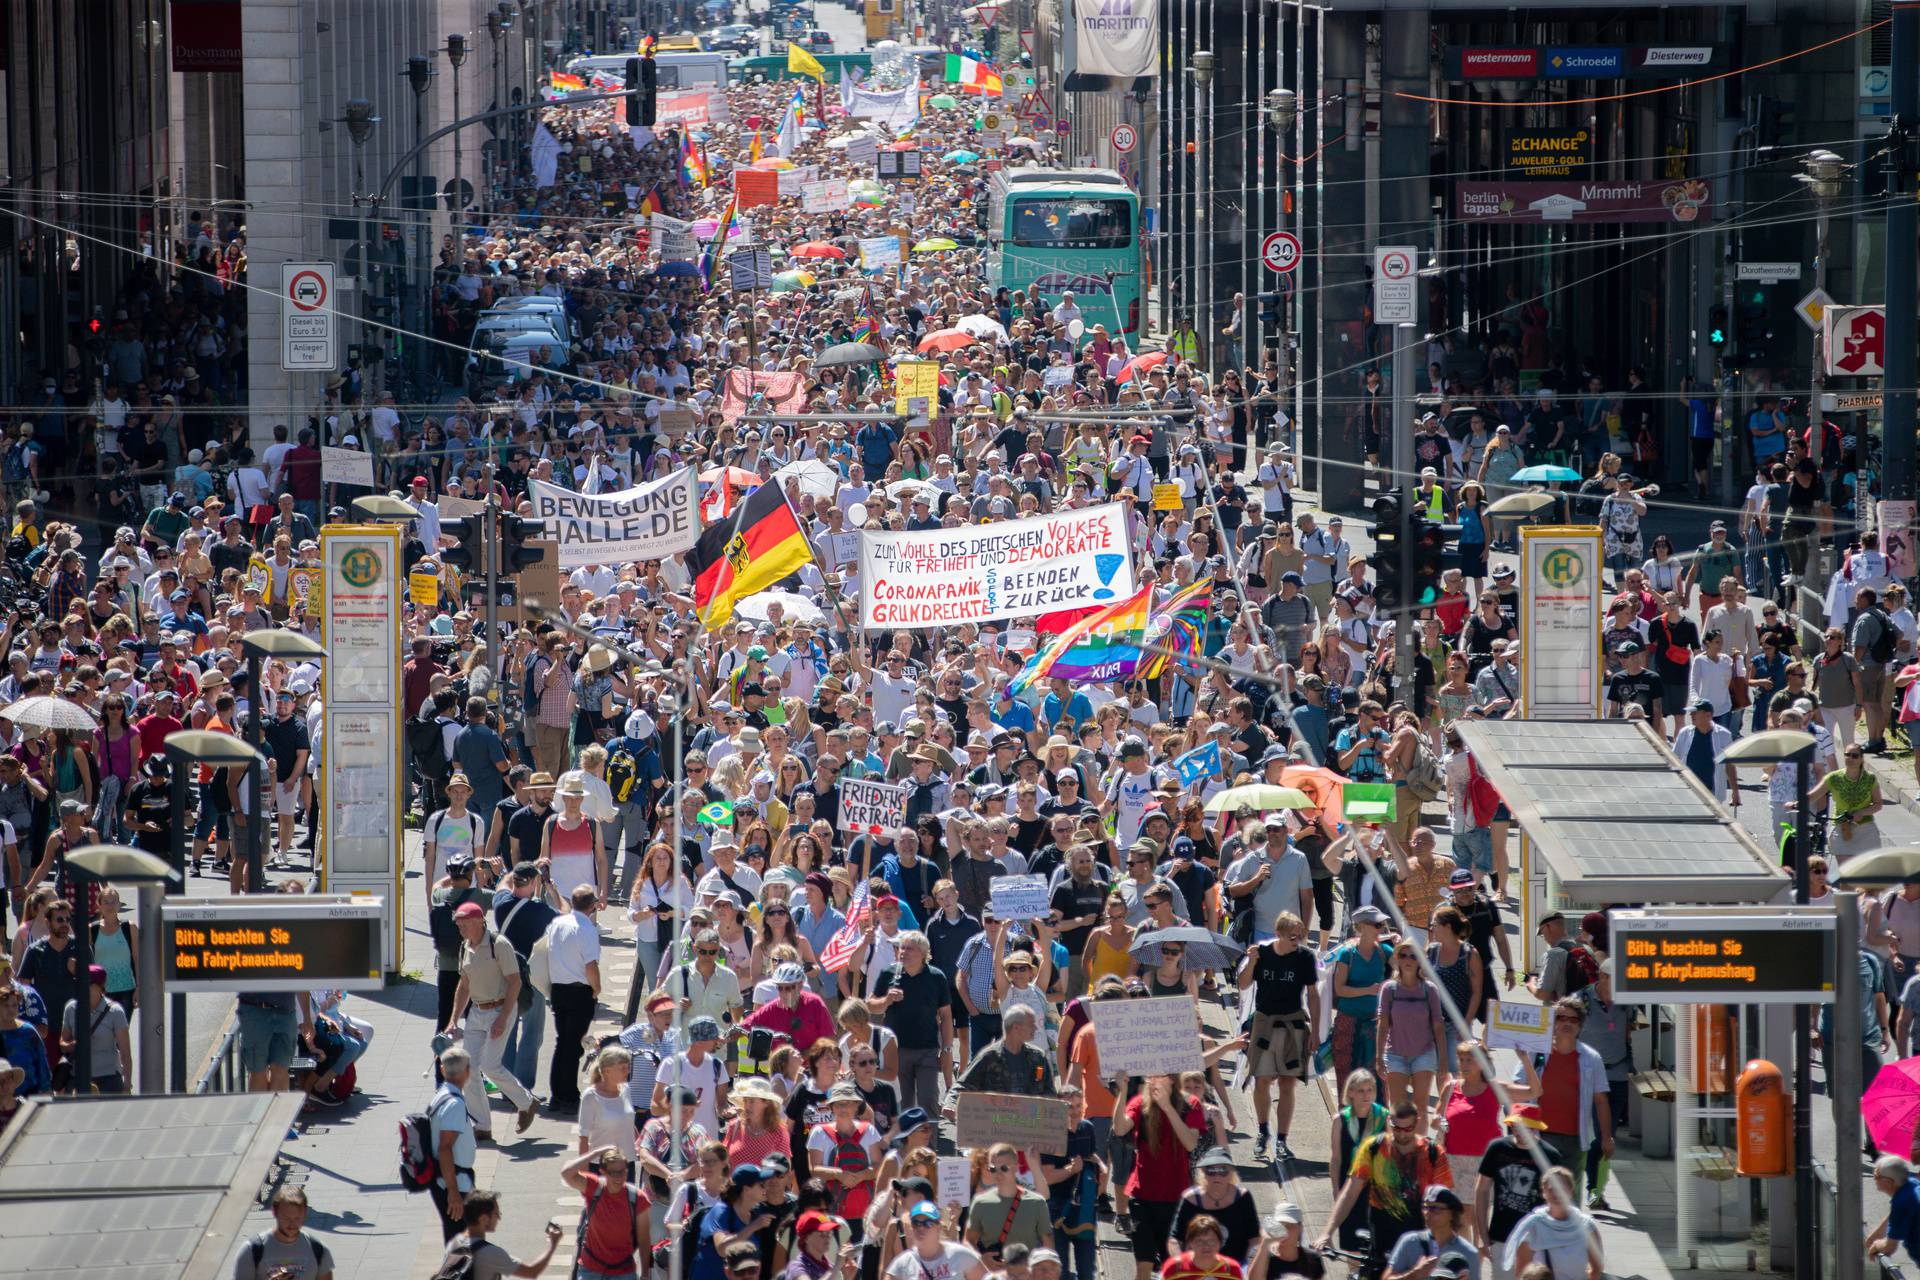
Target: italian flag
<point>972,76</point>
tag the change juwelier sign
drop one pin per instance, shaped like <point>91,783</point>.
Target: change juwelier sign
<point>1743,955</point>
<point>1548,153</point>
<point>281,944</point>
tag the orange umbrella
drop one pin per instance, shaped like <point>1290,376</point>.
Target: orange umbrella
<point>817,249</point>
<point>1321,785</point>
<point>945,340</point>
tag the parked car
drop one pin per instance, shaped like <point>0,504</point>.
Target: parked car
<point>817,42</point>
<point>737,38</point>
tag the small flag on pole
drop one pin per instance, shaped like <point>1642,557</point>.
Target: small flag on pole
<point>841,947</point>
<point>1199,763</point>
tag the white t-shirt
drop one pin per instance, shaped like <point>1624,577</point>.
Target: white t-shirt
<point>956,1262</point>
<point>446,836</point>
<point>704,1080</point>
<point>573,943</point>
<point>821,1145</point>
<point>892,696</point>
<point>606,1122</point>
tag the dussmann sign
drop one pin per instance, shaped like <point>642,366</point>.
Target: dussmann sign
<point>1579,62</point>
<point>1548,153</point>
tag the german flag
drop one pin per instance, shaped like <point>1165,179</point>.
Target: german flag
<point>755,547</point>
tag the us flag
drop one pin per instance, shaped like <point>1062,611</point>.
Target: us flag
<point>840,948</point>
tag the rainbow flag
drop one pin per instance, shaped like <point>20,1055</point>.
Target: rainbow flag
<point>570,84</point>
<point>693,165</point>
<point>1180,624</point>
<point>753,149</point>
<point>710,262</point>
<point>865,327</point>
<point>1104,645</point>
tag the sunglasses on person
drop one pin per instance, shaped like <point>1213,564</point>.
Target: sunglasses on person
<point>707,951</point>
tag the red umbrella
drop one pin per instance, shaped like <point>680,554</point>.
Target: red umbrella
<point>817,249</point>
<point>945,340</point>
<point>1140,364</point>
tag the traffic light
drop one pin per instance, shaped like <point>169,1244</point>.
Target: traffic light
<point>1429,542</point>
<point>1753,330</point>
<point>1717,326</point>
<point>1389,515</point>
<point>470,533</point>
<point>633,91</point>
<point>515,533</point>
<point>649,89</point>
<point>1270,309</point>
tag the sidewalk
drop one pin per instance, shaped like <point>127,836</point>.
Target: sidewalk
<point>347,1159</point>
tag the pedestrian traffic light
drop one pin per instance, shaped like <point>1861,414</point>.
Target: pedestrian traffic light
<point>1717,326</point>
<point>1753,331</point>
<point>1270,309</point>
<point>649,88</point>
<point>1428,539</point>
<point>470,537</point>
<point>1389,515</point>
<point>515,533</point>
<point>633,91</point>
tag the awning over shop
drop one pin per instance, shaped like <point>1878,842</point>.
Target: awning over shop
<point>135,1187</point>
<point>1618,817</point>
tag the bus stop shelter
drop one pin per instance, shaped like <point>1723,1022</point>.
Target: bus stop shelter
<point>1609,817</point>
<point>135,1187</point>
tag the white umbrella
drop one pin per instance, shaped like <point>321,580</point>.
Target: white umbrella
<point>794,607</point>
<point>814,477</point>
<point>50,713</point>
<point>985,328</point>
<point>1029,143</point>
<point>908,490</point>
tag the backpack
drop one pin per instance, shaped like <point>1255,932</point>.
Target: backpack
<point>1583,966</point>
<point>258,1247</point>
<point>418,1163</point>
<point>1881,648</point>
<point>623,769</point>
<point>540,968</point>
<point>1424,779</point>
<point>850,1153</point>
<point>458,1264</point>
<point>689,1242</point>
<point>445,933</point>
<point>427,745</point>
<point>528,693</point>
<point>586,1216</point>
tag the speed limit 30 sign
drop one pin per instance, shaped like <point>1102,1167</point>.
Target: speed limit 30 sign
<point>1280,251</point>
<point>1124,138</point>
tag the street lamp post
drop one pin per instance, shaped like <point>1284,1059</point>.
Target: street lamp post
<point>419,73</point>
<point>1795,750</point>
<point>1201,67</point>
<point>104,863</point>
<point>456,52</point>
<point>1823,183</point>
<point>195,746</point>
<point>275,642</point>
<point>359,119</point>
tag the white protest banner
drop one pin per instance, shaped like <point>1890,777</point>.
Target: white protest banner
<point>690,106</point>
<point>1018,897</point>
<point>452,508</point>
<point>794,180</point>
<point>843,548</point>
<point>872,807</point>
<point>863,150</point>
<point>673,237</point>
<point>346,466</point>
<point>1514,1025</point>
<point>650,522</point>
<point>955,1182</point>
<point>880,251</point>
<point>830,196</point>
<point>1118,37</point>
<point>1157,1036</point>
<point>750,269</point>
<point>1053,377</point>
<point>1014,569</point>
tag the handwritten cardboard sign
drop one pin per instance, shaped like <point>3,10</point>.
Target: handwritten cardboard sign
<point>1157,1036</point>
<point>955,1185</point>
<point>1030,1124</point>
<point>872,807</point>
<point>1512,1024</point>
<point>1018,897</point>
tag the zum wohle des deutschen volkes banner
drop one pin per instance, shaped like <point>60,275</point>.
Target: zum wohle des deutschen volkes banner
<point>1010,569</point>
<point>650,522</point>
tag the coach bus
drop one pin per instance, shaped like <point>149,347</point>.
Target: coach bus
<point>1068,231</point>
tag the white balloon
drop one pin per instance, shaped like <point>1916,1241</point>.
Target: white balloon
<point>1076,327</point>
<point>857,515</point>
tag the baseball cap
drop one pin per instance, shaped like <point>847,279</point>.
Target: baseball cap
<point>1460,879</point>
<point>1368,915</point>
<point>470,911</point>
<point>813,1220</point>
<point>925,1211</point>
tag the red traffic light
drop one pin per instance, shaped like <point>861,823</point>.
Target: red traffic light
<point>93,325</point>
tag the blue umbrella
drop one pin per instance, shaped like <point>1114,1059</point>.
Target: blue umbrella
<point>677,269</point>
<point>1546,474</point>
<point>960,157</point>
